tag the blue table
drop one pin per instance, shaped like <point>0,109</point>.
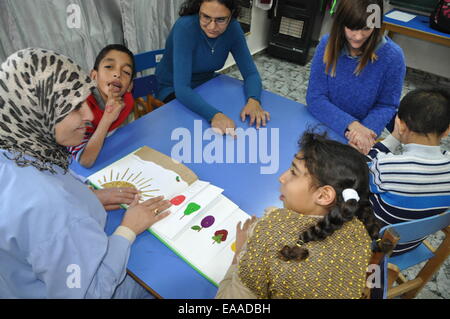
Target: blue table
<point>419,27</point>
<point>152,263</point>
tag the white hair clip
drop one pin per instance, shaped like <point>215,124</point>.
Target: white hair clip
<point>350,193</point>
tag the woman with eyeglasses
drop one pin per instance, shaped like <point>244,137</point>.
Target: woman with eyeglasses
<point>356,75</point>
<point>198,45</point>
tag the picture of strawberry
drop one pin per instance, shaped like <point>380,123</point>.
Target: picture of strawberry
<point>220,236</point>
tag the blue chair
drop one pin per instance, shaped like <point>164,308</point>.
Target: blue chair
<point>376,279</point>
<point>145,87</point>
<point>434,257</point>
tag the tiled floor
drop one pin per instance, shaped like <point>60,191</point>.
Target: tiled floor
<point>291,80</point>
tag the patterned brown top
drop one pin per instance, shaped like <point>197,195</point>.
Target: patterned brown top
<point>336,267</point>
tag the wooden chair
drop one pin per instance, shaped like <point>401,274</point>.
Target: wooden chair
<point>145,87</point>
<point>382,249</point>
<point>408,232</point>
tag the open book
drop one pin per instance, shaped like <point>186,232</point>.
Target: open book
<point>201,228</point>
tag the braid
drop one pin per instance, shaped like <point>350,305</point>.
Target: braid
<point>366,216</point>
<point>340,166</point>
<point>318,232</point>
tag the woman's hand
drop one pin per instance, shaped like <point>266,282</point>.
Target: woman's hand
<point>256,113</point>
<point>360,137</point>
<point>222,124</point>
<point>241,235</point>
<point>111,198</point>
<point>141,216</point>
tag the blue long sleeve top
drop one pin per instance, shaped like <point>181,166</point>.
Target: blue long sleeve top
<point>52,239</point>
<point>371,98</point>
<point>188,61</point>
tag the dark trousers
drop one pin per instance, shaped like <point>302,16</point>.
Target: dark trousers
<point>170,97</point>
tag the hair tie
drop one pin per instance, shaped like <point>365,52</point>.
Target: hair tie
<point>350,193</point>
<point>299,243</point>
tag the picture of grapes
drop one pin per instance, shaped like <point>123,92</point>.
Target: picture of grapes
<point>206,222</point>
<point>220,236</point>
<point>191,208</point>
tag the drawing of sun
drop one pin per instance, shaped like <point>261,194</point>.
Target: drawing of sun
<point>128,179</point>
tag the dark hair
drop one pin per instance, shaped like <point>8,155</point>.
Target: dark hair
<point>117,47</point>
<point>426,111</point>
<point>353,15</point>
<point>190,7</point>
<point>340,166</point>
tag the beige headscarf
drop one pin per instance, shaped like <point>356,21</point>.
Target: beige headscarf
<point>38,88</point>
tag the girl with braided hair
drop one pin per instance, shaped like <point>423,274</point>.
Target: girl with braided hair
<point>318,245</point>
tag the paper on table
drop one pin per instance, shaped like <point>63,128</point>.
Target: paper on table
<point>148,177</point>
<point>170,226</point>
<point>401,16</point>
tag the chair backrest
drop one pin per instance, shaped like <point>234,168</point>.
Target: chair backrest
<point>420,228</point>
<point>147,60</point>
<point>148,84</point>
<point>382,249</point>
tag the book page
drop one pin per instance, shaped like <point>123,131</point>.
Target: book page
<point>218,265</point>
<point>180,200</point>
<point>149,178</point>
<point>179,203</point>
<point>174,223</point>
<point>196,241</point>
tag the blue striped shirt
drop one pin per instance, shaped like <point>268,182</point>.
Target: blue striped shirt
<point>412,185</point>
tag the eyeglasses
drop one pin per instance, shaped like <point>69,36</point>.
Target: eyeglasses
<point>206,20</point>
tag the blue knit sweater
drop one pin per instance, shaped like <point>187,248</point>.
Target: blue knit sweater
<point>188,61</point>
<point>372,97</point>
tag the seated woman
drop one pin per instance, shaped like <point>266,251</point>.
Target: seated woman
<point>356,75</point>
<point>319,245</point>
<point>52,239</point>
<point>197,46</point>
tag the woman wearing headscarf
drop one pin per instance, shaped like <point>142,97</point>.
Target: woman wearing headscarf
<point>52,239</point>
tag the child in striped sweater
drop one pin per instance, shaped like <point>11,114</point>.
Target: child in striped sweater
<point>414,184</point>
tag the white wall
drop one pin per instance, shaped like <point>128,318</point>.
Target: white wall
<point>258,38</point>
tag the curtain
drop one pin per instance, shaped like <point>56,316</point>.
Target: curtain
<point>147,23</point>
<point>142,25</point>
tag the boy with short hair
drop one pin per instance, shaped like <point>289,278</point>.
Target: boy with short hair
<point>416,183</point>
<point>111,102</point>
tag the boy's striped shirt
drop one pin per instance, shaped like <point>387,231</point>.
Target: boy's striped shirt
<point>409,186</point>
